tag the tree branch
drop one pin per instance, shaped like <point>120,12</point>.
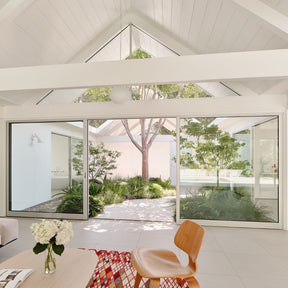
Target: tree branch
<point>159,126</point>
<point>125,124</point>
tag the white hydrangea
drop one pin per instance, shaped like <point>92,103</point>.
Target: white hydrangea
<point>65,232</point>
<point>44,231</point>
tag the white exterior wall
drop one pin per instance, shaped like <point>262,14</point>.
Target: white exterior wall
<point>31,166</point>
<point>31,163</point>
<point>129,164</point>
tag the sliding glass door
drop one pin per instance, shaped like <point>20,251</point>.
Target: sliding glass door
<point>229,169</point>
<point>43,181</point>
<point>228,166</point>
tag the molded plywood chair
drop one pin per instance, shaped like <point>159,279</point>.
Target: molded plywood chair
<point>156,263</point>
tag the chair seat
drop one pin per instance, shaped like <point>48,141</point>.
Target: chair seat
<point>155,263</point>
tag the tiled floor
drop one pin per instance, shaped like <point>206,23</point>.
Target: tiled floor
<point>229,258</point>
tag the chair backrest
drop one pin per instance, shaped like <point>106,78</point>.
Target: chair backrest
<point>189,238</point>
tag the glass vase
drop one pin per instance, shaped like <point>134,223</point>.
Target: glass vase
<point>50,262</point>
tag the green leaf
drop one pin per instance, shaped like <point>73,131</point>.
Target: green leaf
<point>38,248</point>
<point>58,249</point>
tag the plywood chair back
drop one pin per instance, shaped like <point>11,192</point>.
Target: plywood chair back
<point>189,238</point>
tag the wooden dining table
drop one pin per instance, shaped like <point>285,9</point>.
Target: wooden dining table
<point>74,268</point>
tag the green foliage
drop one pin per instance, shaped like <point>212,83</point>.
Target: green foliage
<point>98,94</point>
<point>101,161</point>
<point>208,147</point>
<point>38,248</point>
<point>72,201</point>
<point>166,184</point>
<point>95,206</point>
<point>222,204</point>
<point>115,191</point>
<point>139,54</point>
<point>110,192</point>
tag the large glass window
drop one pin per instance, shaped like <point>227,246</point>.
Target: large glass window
<point>42,175</point>
<point>229,169</point>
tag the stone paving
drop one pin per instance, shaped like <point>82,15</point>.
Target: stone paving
<point>161,209</point>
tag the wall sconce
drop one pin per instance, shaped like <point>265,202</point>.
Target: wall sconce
<point>35,139</point>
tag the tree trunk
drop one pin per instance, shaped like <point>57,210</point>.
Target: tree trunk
<point>145,167</point>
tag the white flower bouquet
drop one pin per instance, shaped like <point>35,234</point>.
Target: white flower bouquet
<point>51,235</point>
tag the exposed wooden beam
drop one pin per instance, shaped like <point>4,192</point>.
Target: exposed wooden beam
<point>157,32</point>
<point>278,22</point>
<point>210,67</point>
<point>240,88</point>
<point>280,88</point>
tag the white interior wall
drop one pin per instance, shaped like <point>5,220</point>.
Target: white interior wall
<point>2,165</point>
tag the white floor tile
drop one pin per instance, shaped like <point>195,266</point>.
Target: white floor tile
<point>229,257</point>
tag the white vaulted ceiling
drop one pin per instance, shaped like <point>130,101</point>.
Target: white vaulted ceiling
<point>44,32</point>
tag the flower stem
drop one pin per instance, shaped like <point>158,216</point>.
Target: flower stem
<point>49,259</point>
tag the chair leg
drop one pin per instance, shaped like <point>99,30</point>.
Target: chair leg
<point>192,283</point>
<point>154,283</point>
<point>137,280</point>
<point>179,281</point>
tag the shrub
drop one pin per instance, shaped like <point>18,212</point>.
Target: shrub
<point>109,192</point>
<point>164,184</point>
<point>72,201</point>
<point>95,206</point>
<point>222,204</point>
<point>155,190</point>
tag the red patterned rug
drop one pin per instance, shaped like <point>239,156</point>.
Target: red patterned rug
<point>115,269</point>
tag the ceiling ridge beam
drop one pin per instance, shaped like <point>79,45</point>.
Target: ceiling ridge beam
<point>233,66</point>
<point>156,31</point>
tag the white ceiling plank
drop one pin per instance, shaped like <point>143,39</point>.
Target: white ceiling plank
<point>157,32</point>
<point>55,20</point>
<point>276,21</point>
<point>175,17</point>
<point>262,36</point>
<point>158,11</point>
<point>221,26</point>
<point>167,14</point>
<point>32,22</point>
<point>241,38</point>
<point>234,66</point>
<point>10,9</point>
<point>63,8</point>
<point>233,31</point>
<point>187,14</point>
<point>104,37</point>
<point>199,9</point>
<point>212,14</point>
